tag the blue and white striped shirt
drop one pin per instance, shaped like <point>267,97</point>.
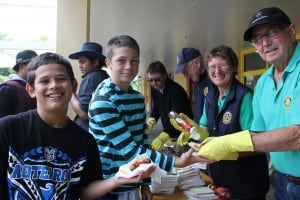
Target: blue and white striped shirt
<point>117,121</point>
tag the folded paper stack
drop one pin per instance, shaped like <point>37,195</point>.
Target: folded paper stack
<point>203,193</point>
<point>188,177</point>
<point>167,185</point>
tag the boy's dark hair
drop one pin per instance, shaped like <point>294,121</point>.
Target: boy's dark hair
<point>157,67</point>
<point>45,59</point>
<point>121,41</point>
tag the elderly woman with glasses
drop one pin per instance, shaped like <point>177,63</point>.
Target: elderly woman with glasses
<point>228,109</point>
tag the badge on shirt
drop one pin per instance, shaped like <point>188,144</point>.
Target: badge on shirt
<point>227,117</point>
<point>205,91</point>
<point>287,102</point>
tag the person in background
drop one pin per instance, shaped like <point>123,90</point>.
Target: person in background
<point>228,109</point>
<point>45,155</point>
<point>276,122</point>
<point>190,63</point>
<point>117,120</point>
<point>91,61</point>
<point>14,98</point>
<point>166,96</point>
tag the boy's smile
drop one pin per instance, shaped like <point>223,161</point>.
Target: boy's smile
<point>124,66</point>
<point>53,87</point>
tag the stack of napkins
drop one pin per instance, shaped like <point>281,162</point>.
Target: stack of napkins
<point>188,177</point>
<point>167,184</point>
<point>203,193</point>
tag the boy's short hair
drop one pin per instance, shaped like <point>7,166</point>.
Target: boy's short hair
<point>121,41</point>
<point>45,59</point>
<point>157,67</point>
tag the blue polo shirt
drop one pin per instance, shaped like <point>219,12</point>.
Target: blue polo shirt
<point>279,107</point>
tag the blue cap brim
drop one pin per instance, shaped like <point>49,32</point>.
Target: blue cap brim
<point>179,68</point>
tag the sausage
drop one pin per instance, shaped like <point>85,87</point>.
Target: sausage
<point>136,163</point>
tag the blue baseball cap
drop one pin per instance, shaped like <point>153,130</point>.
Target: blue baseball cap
<point>185,56</point>
<point>271,15</point>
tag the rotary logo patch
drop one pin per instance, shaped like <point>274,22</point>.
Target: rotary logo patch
<point>287,102</point>
<point>205,91</point>
<point>227,117</point>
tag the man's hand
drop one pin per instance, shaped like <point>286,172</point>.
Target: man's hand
<point>226,147</point>
<point>150,124</point>
<point>158,143</point>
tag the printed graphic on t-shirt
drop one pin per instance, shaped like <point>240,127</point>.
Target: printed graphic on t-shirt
<point>42,173</point>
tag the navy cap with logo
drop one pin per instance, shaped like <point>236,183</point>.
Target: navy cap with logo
<point>271,15</point>
<point>185,56</point>
<point>24,57</point>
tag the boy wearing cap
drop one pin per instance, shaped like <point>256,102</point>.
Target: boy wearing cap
<point>190,63</point>
<point>276,101</point>
<point>14,98</point>
<point>91,61</point>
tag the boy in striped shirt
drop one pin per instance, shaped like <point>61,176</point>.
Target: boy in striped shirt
<point>117,120</point>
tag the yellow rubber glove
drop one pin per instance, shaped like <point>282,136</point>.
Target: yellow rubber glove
<point>185,136</point>
<point>226,147</point>
<point>158,143</point>
<point>150,124</point>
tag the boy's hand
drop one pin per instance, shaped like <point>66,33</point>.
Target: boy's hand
<point>188,158</point>
<point>139,177</point>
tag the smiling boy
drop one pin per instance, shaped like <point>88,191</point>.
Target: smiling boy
<point>45,155</point>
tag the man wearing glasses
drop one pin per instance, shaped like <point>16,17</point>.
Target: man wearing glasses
<point>276,103</point>
<point>166,96</point>
<point>190,63</point>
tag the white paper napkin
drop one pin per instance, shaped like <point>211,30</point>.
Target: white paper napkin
<point>126,172</point>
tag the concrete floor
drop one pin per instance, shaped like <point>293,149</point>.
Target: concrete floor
<point>158,128</point>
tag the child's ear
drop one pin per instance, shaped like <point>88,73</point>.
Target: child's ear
<point>30,90</point>
<point>107,62</point>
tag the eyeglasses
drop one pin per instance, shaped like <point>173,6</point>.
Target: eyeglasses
<point>220,67</point>
<point>157,79</point>
<point>271,34</point>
